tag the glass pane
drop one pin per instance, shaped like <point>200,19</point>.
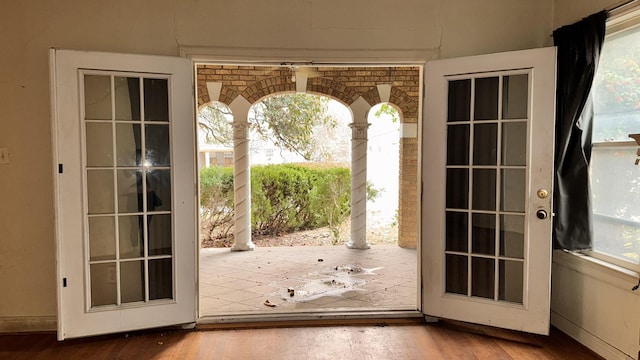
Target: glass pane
<point>99,144</point>
<point>459,103</point>
<point>513,190</point>
<point>482,277</point>
<point>512,236</point>
<point>514,143</point>
<point>616,202</point>
<point>158,190</point>
<point>457,189</point>
<point>486,99</point>
<point>127,98</point>
<point>157,145</point>
<point>483,234</point>
<point>160,234</point>
<point>156,100</point>
<point>160,279</point>
<point>511,281</point>
<point>457,230</point>
<point>103,284</point>
<point>129,191</point>
<point>515,96</point>
<point>100,191</point>
<point>128,144</point>
<point>102,238</point>
<point>485,144</point>
<point>131,230</point>
<point>458,145</point>
<point>97,97</point>
<point>132,281</point>
<point>484,189</point>
<point>456,274</point>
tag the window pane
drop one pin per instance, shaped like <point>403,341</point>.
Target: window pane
<point>128,144</point>
<point>157,145</point>
<point>160,234</point>
<point>127,98</point>
<point>100,191</point>
<point>484,189</point>
<point>515,96</point>
<point>132,281</point>
<point>457,230</point>
<point>457,189</point>
<point>513,190</point>
<point>160,279</point>
<point>103,284</point>
<point>482,277</point>
<point>485,144</point>
<point>459,103</point>
<point>512,236</point>
<point>456,274</point>
<point>156,100</point>
<point>458,145</point>
<point>159,190</point>
<point>514,143</point>
<point>129,191</point>
<point>616,202</point>
<point>99,143</point>
<point>97,97</point>
<point>102,238</point>
<point>486,99</point>
<point>131,230</point>
<point>511,281</point>
<point>483,234</point>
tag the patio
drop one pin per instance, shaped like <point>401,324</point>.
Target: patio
<point>271,280</point>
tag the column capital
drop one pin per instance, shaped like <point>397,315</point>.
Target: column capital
<point>359,130</point>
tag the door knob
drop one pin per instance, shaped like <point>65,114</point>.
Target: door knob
<point>542,214</point>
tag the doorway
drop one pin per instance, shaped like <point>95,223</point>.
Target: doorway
<point>379,273</point>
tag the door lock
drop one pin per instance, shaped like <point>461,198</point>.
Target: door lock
<point>542,214</point>
<point>543,193</point>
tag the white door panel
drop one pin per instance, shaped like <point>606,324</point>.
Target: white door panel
<point>123,133</point>
<point>487,150</point>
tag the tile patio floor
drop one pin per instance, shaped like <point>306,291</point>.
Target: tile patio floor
<point>307,279</point>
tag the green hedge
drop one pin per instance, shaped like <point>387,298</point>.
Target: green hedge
<point>284,198</point>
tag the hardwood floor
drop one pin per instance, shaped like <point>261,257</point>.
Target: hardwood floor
<point>425,341</point>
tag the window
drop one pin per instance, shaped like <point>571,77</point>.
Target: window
<point>615,170</point>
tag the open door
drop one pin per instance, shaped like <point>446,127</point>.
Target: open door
<point>487,152</point>
<point>123,133</point>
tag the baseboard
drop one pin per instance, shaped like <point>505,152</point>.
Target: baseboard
<point>16,324</point>
<point>588,339</point>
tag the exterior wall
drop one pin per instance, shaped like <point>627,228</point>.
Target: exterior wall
<point>345,84</point>
<point>161,27</point>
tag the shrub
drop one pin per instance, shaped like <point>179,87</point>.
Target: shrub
<point>284,198</point>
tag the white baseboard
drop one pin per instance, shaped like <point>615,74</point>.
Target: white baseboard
<point>14,324</point>
<point>588,339</point>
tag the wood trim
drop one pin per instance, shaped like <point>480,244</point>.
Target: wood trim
<point>18,324</point>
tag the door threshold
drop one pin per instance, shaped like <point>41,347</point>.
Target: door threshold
<point>349,318</point>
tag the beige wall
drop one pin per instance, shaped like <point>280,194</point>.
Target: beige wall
<point>29,28</point>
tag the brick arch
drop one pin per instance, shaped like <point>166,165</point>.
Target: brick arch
<point>268,86</point>
<point>407,105</point>
<point>332,88</point>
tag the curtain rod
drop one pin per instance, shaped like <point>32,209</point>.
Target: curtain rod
<point>619,6</point>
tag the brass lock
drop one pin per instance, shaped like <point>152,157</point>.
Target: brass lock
<point>543,193</point>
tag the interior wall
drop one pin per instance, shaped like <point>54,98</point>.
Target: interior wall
<point>29,28</point>
<point>593,303</point>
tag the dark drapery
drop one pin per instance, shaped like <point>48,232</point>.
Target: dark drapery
<point>579,47</point>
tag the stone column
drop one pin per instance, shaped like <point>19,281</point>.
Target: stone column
<point>359,129</point>
<point>241,176</point>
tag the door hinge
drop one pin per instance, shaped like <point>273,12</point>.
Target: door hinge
<point>60,168</point>
<point>64,282</point>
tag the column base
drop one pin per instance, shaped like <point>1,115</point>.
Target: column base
<point>353,245</point>
<point>243,247</point>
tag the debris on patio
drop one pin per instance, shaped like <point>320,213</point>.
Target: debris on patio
<point>334,281</point>
<point>269,303</point>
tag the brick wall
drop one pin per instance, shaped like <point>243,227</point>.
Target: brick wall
<point>345,84</point>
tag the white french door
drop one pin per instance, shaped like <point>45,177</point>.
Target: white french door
<point>486,201</point>
<point>123,133</point>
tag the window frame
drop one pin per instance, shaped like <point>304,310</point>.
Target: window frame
<point>618,21</point>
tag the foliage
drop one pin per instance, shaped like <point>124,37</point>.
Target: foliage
<point>285,198</point>
<point>389,110</point>
<point>216,200</point>
<point>288,121</point>
<point>214,120</point>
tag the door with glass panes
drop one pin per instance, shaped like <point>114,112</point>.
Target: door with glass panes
<point>123,132</point>
<point>487,181</point>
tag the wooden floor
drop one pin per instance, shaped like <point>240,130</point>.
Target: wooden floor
<point>425,341</point>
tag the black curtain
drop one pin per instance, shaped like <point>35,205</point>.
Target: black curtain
<point>579,47</point>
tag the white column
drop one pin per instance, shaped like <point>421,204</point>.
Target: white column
<point>360,109</point>
<point>241,176</point>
